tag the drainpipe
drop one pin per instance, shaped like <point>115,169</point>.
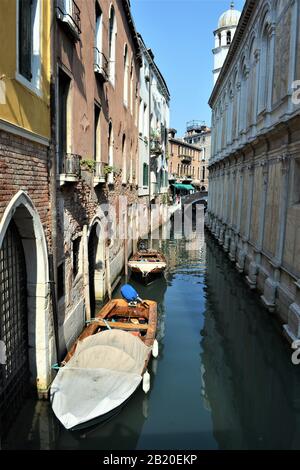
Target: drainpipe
<point>86,286</point>
<point>126,245</point>
<point>149,154</point>
<point>107,265</point>
<point>52,175</point>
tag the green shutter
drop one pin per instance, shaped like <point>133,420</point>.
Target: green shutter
<point>145,174</point>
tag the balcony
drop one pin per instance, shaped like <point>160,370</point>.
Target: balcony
<point>186,178</point>
<point>100,64</point>
<point>68,13</point>
<point>186,159</point>
<point>69,169</point>
<point>155,147</point>
<point>99,175</point>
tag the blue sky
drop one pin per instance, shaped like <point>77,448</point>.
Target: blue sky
<point>180,33</point>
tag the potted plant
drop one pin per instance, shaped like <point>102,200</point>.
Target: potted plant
<point>88,165</point>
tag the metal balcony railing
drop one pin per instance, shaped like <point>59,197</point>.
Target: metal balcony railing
<point>69,13</point>
<point>185,158</point>
<point>194,125</point>
<point>100,63</point>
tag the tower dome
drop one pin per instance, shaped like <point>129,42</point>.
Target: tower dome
<point>229,18</point>
<point>227,25</point>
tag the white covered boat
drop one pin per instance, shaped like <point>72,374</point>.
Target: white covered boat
<point>103,372</point>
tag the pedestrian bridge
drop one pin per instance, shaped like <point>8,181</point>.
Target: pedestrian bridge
<point>194,198</point>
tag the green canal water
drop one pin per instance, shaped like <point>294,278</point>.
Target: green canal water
<point>223,379</point>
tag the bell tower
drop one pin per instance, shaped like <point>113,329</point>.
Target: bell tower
<point>227,25</point>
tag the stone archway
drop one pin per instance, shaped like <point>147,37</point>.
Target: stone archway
<point>96,258</point>
<point>23,215</point>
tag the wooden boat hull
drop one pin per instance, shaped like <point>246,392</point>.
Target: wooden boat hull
<point>147,264</point>
<point>139,320</point>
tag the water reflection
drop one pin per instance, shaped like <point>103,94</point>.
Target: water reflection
<point>223,378</point>
<point>250,383</point>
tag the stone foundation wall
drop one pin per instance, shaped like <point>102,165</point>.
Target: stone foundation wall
<point>254,213</point>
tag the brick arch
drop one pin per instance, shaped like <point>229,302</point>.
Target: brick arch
<point>24,214</point>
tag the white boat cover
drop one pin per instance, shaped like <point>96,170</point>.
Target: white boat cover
<point>147,267</point>
<point>104,371</point>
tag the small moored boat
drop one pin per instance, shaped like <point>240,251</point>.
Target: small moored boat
<point>106,364</point>
<point>147,264</point>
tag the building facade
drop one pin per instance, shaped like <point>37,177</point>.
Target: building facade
<point>253,207</point>
<point>199,134</point>
<point>97,95</point>
<point>186,165</point>
<point>26,325</point>
<point>154,117</point>
<point>69,175</point>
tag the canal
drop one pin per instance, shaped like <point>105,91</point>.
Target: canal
<point>223,379</point>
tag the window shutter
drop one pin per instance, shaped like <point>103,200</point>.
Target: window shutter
<point>25,38</point>
<point>145,175</point>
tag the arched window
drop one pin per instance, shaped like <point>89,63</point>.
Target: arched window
<point>263,70</point>
<point>251,111</point>
<point>220,39</point>
<point>243,97</point>
<point>228,38</point>
<point>131,88</point>
<point>124,163</point>
<point>112,44</point>
<point>98,37</point>
<point>126,74</point>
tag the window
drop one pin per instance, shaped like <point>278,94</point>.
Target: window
<point>263,71</point>
<point>75,250</point>
<point>136,105</point>
<point>29,60</point>
<point>112,44</point>
<point>131,88</point>
<point>98,36</point>
<point>145,120</point>
<point>228,38</point>
<point>64,116</point>
<point>126,75</point>
<point>145,174</point>
<point>60,280</point>
<point>203,173</point>
<point>220,39</point>
<point>131,165</point>
<point>296,182</point>
<point>97,135</point>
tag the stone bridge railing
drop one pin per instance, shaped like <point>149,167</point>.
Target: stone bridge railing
<point>190,198</point>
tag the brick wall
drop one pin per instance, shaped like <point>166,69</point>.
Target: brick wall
<point>24,166</point>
